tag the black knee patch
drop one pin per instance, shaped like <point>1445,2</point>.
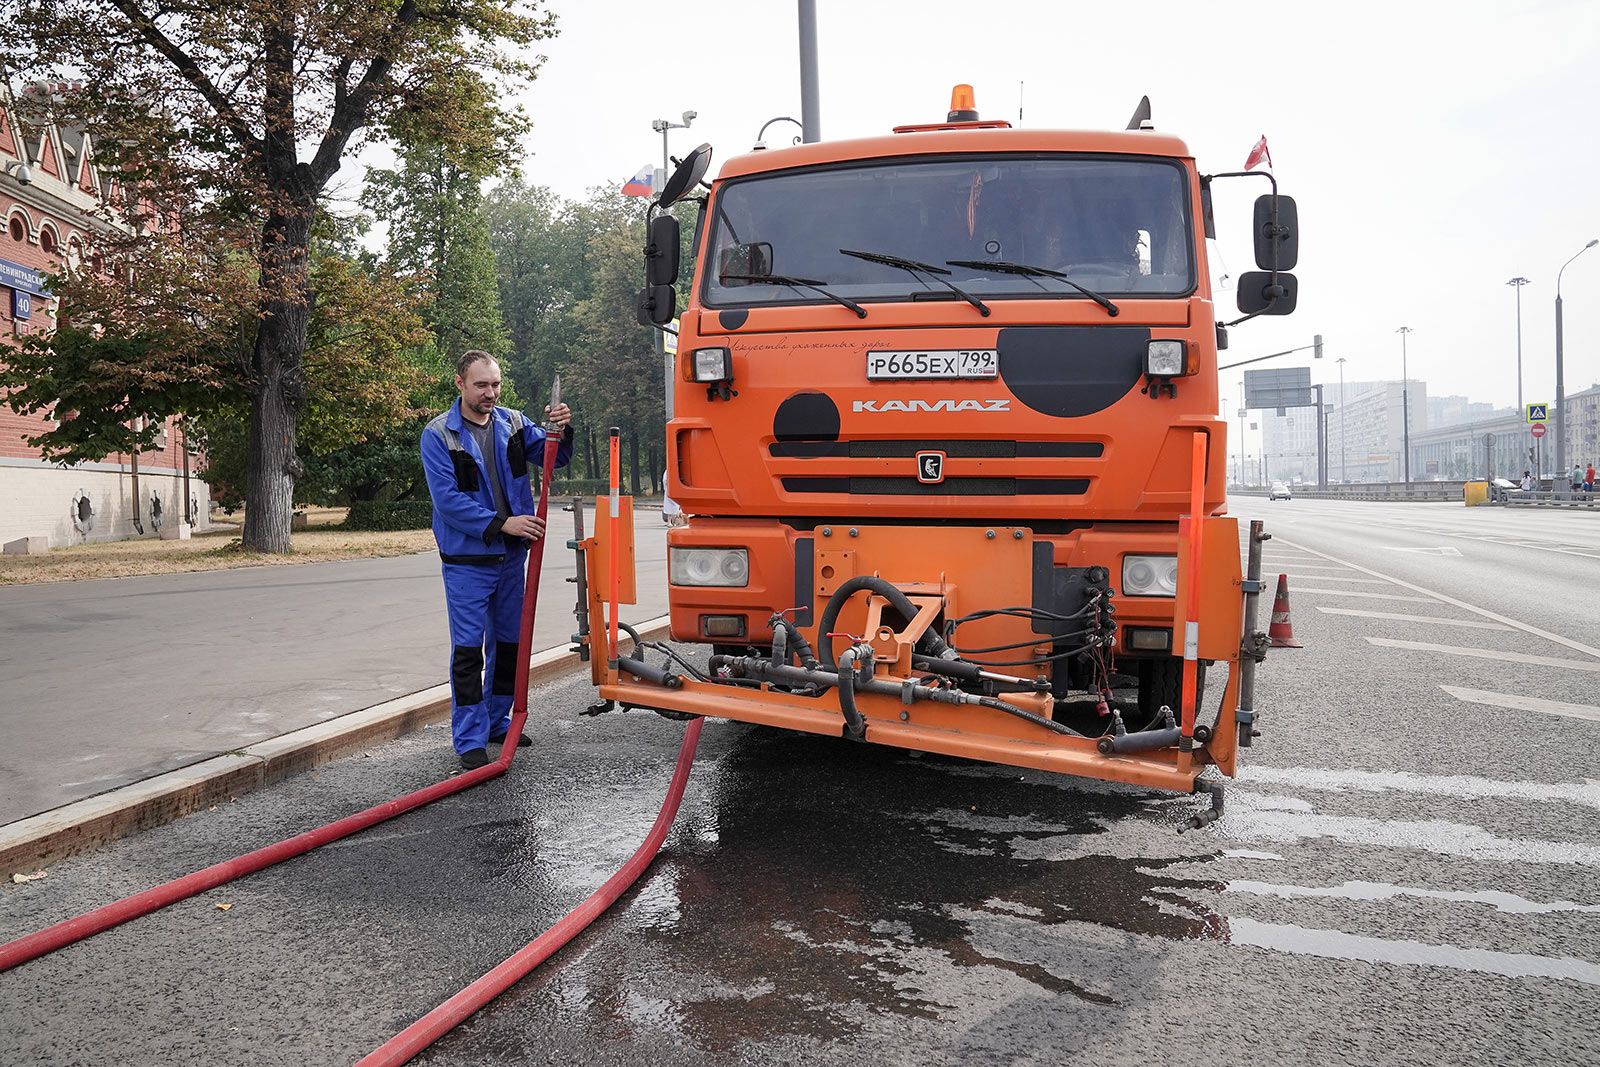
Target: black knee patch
<point>466,675</point>
<point>505,668</point>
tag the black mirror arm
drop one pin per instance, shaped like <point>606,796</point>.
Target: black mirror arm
<point>1273,287</point>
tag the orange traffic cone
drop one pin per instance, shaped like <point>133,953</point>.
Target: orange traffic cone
<point>1281,633</point>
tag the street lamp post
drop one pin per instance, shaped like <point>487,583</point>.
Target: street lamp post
<point>1342,476</point>
<point>1405,404</point>
<point>1518,282</point>
<point>1561,391</point>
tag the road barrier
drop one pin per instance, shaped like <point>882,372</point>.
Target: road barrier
<point>1451,491</point>
<point>1544,498</point>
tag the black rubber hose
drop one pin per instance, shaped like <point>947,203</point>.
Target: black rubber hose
<point>797,642</point>
<point>1023,713</point>
<point>855,725</point>
<point>935,645</point>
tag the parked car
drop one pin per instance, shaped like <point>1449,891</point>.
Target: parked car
<point>1279,491</point>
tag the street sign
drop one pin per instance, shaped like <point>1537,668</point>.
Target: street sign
<point>1537,413</point>
<point>21,304</point>
<point>1287,387</point>
<point>1537,429</point>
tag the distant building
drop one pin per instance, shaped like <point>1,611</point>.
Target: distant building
<point>1502,443</point>
<point>1366,428</point>
<point>51,195</point>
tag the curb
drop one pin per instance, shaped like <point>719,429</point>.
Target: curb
<point>53,835</point>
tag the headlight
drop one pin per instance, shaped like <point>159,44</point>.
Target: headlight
<point>712,365</point>
<point>1149,575</point>
<point>709,566</point>
<point>1164,359</point>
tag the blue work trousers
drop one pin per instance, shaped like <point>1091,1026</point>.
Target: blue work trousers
<point>484,601</point>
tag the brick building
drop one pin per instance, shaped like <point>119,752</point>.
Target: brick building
<point>51,195</point>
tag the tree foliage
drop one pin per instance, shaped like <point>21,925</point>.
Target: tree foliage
<point>226,122</point>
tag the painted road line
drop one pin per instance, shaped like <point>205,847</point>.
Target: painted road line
<point>1472,624</point>
<point>1360,593</point>
<point>1576,646</point>
<point>1340,578</point>
<point>1487,653</point>
<point>1519,702</point>
<point>1308,567</point>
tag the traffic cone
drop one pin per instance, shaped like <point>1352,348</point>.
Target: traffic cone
<point>1281,634</point>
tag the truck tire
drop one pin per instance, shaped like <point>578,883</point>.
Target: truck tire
<point>1161,682</point>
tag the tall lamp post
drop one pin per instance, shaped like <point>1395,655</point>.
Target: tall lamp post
<point>1518,282</point>
<point>1561,391</point>
<point>1405,404</point>
<point>1342,476</point>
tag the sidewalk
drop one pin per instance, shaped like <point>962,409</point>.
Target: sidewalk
<point>112,682</point>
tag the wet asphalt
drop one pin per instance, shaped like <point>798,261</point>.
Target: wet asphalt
<point>1401,877</point>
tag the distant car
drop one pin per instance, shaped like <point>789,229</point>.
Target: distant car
<point>1279,491</point>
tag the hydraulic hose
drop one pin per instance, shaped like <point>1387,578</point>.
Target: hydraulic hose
<point>795,642</point>
<point>855,724</point>
<point>935,645</point>
<point>71,931</point>
<point>441,1020</point>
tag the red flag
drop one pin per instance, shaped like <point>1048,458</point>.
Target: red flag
<point>1259,153</point>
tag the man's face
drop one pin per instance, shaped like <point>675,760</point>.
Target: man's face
<point>480,387</point>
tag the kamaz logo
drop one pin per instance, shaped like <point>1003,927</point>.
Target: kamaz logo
<point>881,406</point>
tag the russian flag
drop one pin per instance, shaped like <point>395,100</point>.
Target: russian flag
<point>642,183</point>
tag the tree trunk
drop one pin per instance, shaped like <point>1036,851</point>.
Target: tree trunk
<point>633,464</point>
<point>592,456</point>
<point>278,382</point>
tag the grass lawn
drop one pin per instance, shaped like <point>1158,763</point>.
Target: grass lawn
<point>216,549</point>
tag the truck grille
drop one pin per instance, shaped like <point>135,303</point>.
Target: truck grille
<point>875,449</point>
<point>948,487</point>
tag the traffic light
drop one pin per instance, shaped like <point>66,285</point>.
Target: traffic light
<point>1316,343</point>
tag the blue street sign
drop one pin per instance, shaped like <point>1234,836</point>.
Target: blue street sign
<point>21,304</point>
<point>19,277</point>
<point>1537,413</point>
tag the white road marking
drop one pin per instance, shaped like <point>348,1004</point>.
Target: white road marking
<point>1402,617</point>
<point>1404,952</point>
<point>1340,578</point>
<point>1298,567</point>
<point>1507,903</point>
<point>1523,703</point>
<point>1360,593</point>
<point>1459,786</point>
<point>1442,550</point>
<point>1487,653</point>
<point>1576,646</point>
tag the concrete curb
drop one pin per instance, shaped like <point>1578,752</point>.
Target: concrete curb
<point>85,824</point>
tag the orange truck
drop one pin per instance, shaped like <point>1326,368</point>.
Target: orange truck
<point>943,419</point>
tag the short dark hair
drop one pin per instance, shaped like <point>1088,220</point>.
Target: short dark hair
<point>468,358</point>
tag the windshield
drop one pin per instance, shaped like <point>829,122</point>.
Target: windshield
<point>1114,225</point>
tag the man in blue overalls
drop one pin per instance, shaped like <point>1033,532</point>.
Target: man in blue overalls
<point>478,457</point>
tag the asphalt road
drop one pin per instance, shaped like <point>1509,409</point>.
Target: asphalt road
<point>108,682</point>
<point>1403,875</point>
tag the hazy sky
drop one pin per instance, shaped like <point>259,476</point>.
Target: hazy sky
<point>1435,149</point>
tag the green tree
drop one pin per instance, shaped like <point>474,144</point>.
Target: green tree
<point>259,103</point>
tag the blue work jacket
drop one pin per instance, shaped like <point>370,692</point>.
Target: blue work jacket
<point>465,521</point>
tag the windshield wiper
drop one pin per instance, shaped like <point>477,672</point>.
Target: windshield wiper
<point>799,283</point>
<point>1029,271</point>
<point>915,266</point>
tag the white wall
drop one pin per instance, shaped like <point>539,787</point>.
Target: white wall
<point>36,500</point>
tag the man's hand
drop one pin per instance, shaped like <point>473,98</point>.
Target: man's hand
<point>528,526</point>
<point>558,416</point>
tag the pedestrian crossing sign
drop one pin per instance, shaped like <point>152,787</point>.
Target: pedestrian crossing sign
<point>1537,413</point>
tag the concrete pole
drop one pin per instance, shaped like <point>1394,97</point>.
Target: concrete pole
<point>1517,283</point>
<point>1343,476</point>
<point>1561,391</point>
<point>810,112</point>
<point>1405,404</point>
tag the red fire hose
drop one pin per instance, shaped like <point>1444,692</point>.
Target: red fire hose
<point>71,931</point>
<point>453,1012</point>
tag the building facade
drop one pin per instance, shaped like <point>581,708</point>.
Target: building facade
<point>1366,429</point>
<point>51,199</point>
<point>1502,444</point>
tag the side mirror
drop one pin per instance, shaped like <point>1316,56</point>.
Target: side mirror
<point>657,305</point>
<point>686,177</point>
<point>751,260</point>
<point>1277,247</point>
<point>1259,296</point>
<point>662,250</point>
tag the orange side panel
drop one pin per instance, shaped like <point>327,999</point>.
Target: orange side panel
<point>600,555</point>
<point>1221,600</point>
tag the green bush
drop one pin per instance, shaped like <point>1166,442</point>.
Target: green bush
<point>389,515</point>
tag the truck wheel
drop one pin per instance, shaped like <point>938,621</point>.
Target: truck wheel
<point>1161,682</point>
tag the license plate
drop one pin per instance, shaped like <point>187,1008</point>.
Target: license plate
<point>950,363</point>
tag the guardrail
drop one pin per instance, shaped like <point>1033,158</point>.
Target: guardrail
<point>1543,498</point>
<point>1382,491</point>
